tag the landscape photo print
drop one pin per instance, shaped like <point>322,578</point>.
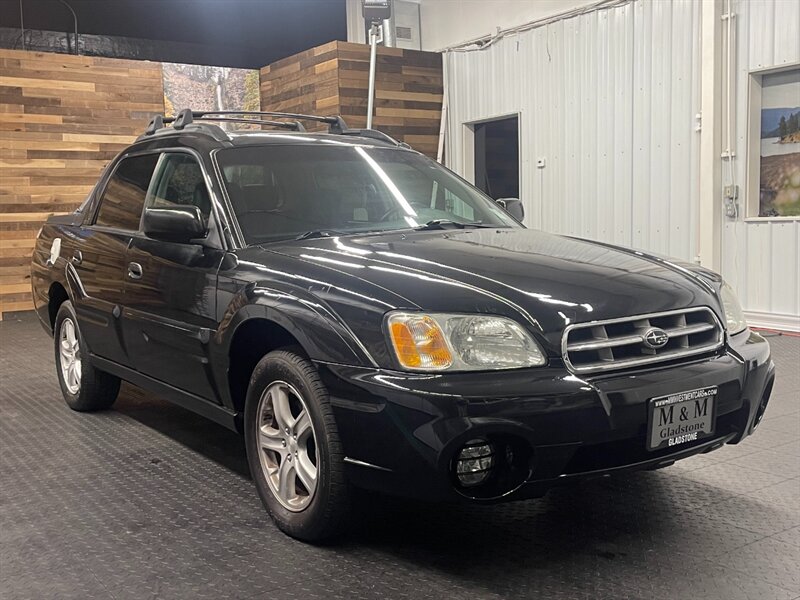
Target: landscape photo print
<point>202,87</point>
<point>779,187</point>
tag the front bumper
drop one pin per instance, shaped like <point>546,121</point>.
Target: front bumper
<point>401,431</point>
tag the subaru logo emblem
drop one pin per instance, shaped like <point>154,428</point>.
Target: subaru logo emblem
<point>655,338</point>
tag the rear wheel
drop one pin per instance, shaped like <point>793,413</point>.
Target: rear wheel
<point>293,448</point>
<point>84,387</point>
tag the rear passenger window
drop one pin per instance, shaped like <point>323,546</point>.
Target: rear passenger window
<point>123,199</point>
<point>180,182</point>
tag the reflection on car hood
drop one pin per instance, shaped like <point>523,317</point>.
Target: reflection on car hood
<point>548,280</point>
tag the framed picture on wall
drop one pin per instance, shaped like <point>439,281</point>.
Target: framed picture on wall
<point>774,144</point>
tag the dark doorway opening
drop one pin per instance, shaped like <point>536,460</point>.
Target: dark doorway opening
<point>497,157</point>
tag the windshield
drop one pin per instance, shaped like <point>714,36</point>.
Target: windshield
<point>282,192</point>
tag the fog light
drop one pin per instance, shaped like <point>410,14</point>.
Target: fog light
<point>474,463</point>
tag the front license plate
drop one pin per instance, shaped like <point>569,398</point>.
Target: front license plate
<point>681,418</point>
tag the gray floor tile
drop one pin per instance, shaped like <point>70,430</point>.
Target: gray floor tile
<point>150,501</point>
<point>790,536</point>
<point>770,560</point>
<point>774,461</point>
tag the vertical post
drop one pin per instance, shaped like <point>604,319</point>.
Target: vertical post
<point>443,121</point>
<point>710,210</point>
<point>373,58</point>
<point>22,28</point>
<point>481,180</point>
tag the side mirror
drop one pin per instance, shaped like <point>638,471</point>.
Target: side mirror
<point>181,223</point>
<point>513,207</point>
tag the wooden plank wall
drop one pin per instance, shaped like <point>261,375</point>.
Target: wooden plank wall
<point>306,83</point>
<point>408,93</point>
<point>333,79</point>
<point>62,119</point>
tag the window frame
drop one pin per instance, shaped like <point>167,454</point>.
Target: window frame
<point>752,163</point>
<point>214,235</point>
<point>217,221</point>
<point>155,179</point>
<point>92,215</point>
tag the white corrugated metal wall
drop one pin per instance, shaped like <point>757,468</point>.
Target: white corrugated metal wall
<point>761,258</point>
<point>609,99</point>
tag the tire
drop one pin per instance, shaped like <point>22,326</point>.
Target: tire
<point>311,510</point>
<point>85,388</point>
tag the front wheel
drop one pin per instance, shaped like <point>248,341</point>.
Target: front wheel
<point>84,387</point>
<point>293,448</point>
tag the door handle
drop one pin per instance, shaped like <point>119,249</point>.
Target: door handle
<point>77,257</point>
<point>134,270</point>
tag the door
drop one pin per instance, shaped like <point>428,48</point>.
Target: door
<point>497,157</point>
<point>98,267</point>
<point>170,309</point>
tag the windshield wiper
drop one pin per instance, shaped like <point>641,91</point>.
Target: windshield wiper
<point>447,224</point>
<point>318,233</point>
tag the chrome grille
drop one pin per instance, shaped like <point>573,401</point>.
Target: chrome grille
<point>640,340</point>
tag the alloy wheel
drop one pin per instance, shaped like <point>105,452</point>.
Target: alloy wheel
<point>288,446</point>
<point>69,356</point>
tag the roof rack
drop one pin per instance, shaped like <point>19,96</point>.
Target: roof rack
<point>336,124</point>
<point>188,116</point>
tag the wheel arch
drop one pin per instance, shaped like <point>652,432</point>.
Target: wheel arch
<point>252,340</point>
<point>57,295</point>
<point>255,325</point>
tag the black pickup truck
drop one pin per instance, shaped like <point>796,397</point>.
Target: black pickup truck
<point>369,320</point>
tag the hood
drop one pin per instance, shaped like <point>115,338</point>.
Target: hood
<point>546,281</point>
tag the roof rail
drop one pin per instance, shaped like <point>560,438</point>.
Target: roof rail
<point>375,135</point>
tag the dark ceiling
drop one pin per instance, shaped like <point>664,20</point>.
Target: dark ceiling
<point>242,33</point>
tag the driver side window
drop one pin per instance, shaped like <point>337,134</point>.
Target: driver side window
<point>180,182</point>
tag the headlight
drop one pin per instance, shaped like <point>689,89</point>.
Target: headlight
<point>734,316</point>
<point>448,342</point>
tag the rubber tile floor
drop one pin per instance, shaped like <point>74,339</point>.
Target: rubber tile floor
<point>149,501</point>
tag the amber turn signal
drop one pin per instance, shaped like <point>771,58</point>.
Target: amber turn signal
<point>419,342</point>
